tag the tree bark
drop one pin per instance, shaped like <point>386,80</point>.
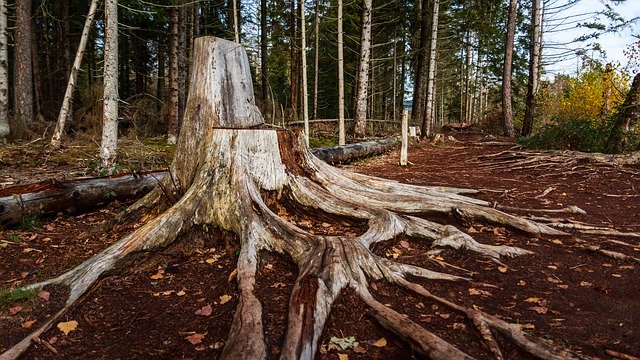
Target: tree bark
<point>23,78</point>
<point>109,144</point>
<point>264,56</point>
<point>507,111</point>
<point>427,123</point>
<point>303,56</point>
<point>341,128</point>
<point>419,83</point>
<point>174,89</point>
<point>628,119</point>
<point>294,71</point>
<point>534,65</point>
<point>222,168</point>
<point>4,74</point>
<point>67,101</point>
<point>360,116</point>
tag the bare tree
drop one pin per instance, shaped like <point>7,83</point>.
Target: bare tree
<point>174,88</point>
<point>360,116</point>
<point>109,144</point>
<point>507,111</point>
<point>534,67</point>
<point>429,108</point>
<point>4,74</point>
<point>22,65</point>
<point>303,55</point>
<point>67,101</point>
<point>341,129</point>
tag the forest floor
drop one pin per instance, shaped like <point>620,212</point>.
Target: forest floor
<point>180,302</point>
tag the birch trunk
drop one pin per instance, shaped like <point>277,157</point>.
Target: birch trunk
<point>305,87</point>
<point>427,124</point>
<point>534,65</point>
<point>109,144</point>
<point>67,101</point>
<point>360,116</point>
<point>507,112</point>
<point>222,174</point>
<point>4,74</point>
<point>341,128</point>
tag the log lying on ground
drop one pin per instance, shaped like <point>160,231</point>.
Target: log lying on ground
<point>18,202</point>
<point>51,196</point>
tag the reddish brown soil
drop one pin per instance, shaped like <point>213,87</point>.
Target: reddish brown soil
<point>581,300</point>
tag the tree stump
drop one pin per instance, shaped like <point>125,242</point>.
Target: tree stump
<point>223,166</point>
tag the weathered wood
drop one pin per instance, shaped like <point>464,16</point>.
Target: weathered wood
<point>344,153</point>
<point>18,202</point>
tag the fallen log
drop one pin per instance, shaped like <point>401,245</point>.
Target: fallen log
<point>51,196</point>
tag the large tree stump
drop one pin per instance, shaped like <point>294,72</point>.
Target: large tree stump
<point>221,171</point>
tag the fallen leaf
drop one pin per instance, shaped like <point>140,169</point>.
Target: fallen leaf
<point>556,241</point>
<point>14,310</point>
<point>521,283</point>
<point>444,316</point>
<point>27,324</point>
<point>235,272</point>
<point>459,326</point>
<point>616,275</point>
<point>533,300</point>
<point>181,293</point>
<point>382,342</point>
<point>224,299</point>
<point>585,284</point>
<point>405,244</point>
<point>195,338</point>
<point>502,269</point>
<point>326,225</point>
<point>205,311</point>
<point>344,343</point>
<point>67,327</point>
<point>278,285</point>
<point>359,350</point>
<point>526,326</point>
<point>343,357</point>
<point>473,291</point>
<point>553,280</point>
<point>44,295</point>
<point>539,309</point>
<point>213,259</point>
<point>552,267</point>
<point>28,250</point>
<point>158,275</point>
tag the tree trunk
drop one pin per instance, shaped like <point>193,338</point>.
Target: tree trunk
<point>67,101</point>
<point>264,56</point>
<point>419,83</point>
<point>427,123</point>
<point>341,128</point>
<point>628,119</point>
<point>534,65</point>
<point>4,74</point>
<point>174,89</point>
<point>507,112</point>
<point>294,72</point>
<point>316,57</point>
<point>305,86</point>
<point>22,66</point>
<point>222,169</point>
<point>360,115</point>
<point>109,144</point>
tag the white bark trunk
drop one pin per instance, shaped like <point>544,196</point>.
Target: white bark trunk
<point>316,58</point>
<point>405,138</point>
<point>73,76</point>
<point>363,71</point>
<point>174,89</point>
<point>507,111</point>
<point>431,88</point>
<point>4,73</point>
<point>305,86</point>
<point>236,24</point>
<point>341,129</point>
<point>109,145</point>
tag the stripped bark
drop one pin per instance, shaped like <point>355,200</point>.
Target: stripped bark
<point>222,168</point>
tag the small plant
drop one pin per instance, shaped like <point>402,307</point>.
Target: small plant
<point>14,238</point>
<point>8,297</point>
<point>109,195</point>
<point>30,222</point>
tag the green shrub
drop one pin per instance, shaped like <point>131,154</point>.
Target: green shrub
<point>581,135</point>
<point>8,297</point>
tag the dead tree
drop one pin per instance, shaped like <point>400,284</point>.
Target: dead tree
<point>225,163</point>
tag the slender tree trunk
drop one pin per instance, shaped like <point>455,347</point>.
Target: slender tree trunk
<point>294,74</point>
<point>316,55</point>
<point>427,124</point>
<point>183,60</point>
<point>162,55</point>
<point>628,119</point>
<point>37,79</point>
<point>174,89</point>
<point>264,56</point>
<point>303,55</point>
<point>360,116</point>
<point>236,22</point>
<point>109,145</point>
<point>341,128</point>
<point>507,112</point>
<point>419,83</point>
<point>4,74</point>
<point>67,101</point>
<point>23,79</point>
<point>534,61</point>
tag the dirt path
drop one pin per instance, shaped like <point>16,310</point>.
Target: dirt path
<point>180,302</point>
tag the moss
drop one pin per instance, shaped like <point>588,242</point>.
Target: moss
<point>9,297</point>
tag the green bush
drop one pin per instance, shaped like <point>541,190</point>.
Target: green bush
<point>581,135</point>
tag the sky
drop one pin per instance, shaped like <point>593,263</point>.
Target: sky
<point>612,44</point>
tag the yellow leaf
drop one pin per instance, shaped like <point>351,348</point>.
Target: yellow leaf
<point>27,324</point>
<point>343,357</point>
<point>224,299</point>
<point>585,284</point>
<point>213,259</point>
<point>181,293</point>
<point>67,327</point>
<point>158,275</point>
<point>502,269</point>
<point>382,342</point>
<point>533,300</point>
<point>556,241</point>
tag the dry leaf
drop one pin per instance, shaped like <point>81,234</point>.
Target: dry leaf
<point>195,338</point>
<point>224,299</point>
<point>359,350</point>
<point>553,280</point>
<point>585,284</point>
<point>44,295</point>
<point>533,300</point>
<point>27,324</point>
<point>405,244</point>
<point>213,259</point>
<point>28,250</point>
<point>556,241</point>
<point>526,326</point>
<point>473,291</point>
<point>205,311</point>
<point>343,357</point>
<point>459,326</point>
<point>326,225</point>
<point>539,309</point>
<point>522,283</point>
<point>14,310</point>
<point>382,342</point>
<point>552,267</point>
<point>616,275</point>
<point>181,293</point>
<point>502,269</point>
<point>444,316</point>
<point>278,285</point>
<point>158,275</point>
<point>234,273</point>
<point>67,327</point>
